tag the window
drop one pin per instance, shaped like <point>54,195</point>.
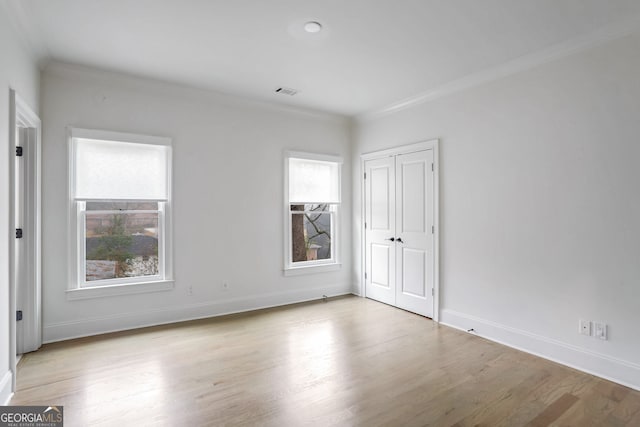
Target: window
<point>312,210</point>
<point>120,197</point>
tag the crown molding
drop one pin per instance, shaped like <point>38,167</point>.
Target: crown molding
<point>523,63</point>
<point>88,73</point>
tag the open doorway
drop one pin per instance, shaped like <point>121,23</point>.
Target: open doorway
<point>24,216</point>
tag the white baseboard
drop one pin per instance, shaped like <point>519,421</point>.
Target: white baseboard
<point>122,321</point>
<point>5,388</point>
<point>617,370</point>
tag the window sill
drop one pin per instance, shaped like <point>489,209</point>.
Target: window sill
<point>311,269</point>
<point>122,289</point>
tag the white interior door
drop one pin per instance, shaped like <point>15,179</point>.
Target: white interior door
<point>380,222</point>
<point>414,232</point>
<point>25,260</point>
<point>400,249</point>
<point>19,243</point>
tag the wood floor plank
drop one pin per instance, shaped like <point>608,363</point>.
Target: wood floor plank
<point>347,362</point>
<point>626,411</point>
<point>554,411</point>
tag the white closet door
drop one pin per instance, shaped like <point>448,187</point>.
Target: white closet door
<point>20,251</point>
<point>414,232</point>
<point>380,219</point>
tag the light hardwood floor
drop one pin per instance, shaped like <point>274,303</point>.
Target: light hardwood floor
<point>349,361</point>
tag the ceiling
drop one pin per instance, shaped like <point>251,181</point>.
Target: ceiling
<point>370,55</point>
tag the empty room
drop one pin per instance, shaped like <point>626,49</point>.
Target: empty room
<point>331,213</point>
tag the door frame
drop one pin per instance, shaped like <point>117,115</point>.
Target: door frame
<point>22,116</point>
<point>432,144</point>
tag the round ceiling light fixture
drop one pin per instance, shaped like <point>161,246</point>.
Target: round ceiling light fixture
<point>312,27</point>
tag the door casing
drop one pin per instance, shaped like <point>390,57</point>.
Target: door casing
<point>25,126</point>
<point>432,144</point>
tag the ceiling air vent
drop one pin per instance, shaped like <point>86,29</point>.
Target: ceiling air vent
<point>286,91</point>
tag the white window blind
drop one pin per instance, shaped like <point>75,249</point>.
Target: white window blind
<point>106,170</point>
<point>313,181</point>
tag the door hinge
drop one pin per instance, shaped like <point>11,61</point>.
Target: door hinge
<point>365,225</point>
<point>18,151</point>
<point>365,276</point>
<point>431,167</point>
<point>432,230</point>
<point>432,292</point>
<point>365,175</point>
<point>18,233</point>
<point>19,315</point>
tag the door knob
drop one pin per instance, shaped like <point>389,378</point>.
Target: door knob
<point>399,240</point>
<point>392,239</point>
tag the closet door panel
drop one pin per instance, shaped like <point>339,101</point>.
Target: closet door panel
<point>380,220</point>
<point>414,251</point>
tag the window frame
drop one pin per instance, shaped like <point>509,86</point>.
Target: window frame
<point>332,212</point>
<point>315,266</point>
<point>82,249</point>
<point>79,287</point>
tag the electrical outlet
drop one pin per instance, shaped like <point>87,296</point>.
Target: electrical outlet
<point>600,330</point>
<point>190,290</point>
<point>584,327</point>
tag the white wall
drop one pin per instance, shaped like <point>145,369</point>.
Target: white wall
<point>18,71</point>
<point>228,197</point>
<point>540,206</point>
